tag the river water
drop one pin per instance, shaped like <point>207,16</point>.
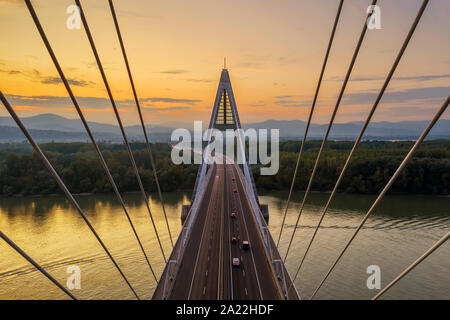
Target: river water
<point>401,229</point>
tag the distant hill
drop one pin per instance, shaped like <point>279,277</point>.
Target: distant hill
<point>51,127</point>
<point>48,121</point>
<point>341,131</point>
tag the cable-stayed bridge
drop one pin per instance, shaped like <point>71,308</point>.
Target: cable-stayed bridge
<point>225,250</point>
<point>224,213</point>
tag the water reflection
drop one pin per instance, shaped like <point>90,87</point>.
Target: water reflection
<point>53,233</point>
<point>401,228</point>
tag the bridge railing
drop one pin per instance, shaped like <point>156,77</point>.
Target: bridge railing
<point>171,269</point>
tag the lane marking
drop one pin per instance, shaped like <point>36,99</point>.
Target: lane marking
<point>227,195</point>
<point>220,260</point>
<point>201,239</point>
<point>248,236</point>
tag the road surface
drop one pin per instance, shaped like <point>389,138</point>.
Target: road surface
<point>206,271</point>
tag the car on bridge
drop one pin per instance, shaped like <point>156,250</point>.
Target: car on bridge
<point>235,190</point>
<point>233,215</point>
<point>236,262</point>
<point>245,245</point>
<point>234,240</point>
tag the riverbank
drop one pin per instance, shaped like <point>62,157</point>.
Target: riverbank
<point>400,230</point>
<point>428,171</point>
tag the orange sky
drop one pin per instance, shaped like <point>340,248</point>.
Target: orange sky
<point>274,52</point>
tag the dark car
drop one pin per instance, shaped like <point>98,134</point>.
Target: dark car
<point>245,245</point>
<point>233,215</point>
<point>235,190</point>
<point>234,240</point>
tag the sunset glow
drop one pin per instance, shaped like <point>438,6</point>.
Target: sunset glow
<point>274,52</point>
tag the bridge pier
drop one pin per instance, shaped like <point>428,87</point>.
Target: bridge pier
<point>184,212</point>
<point>265,211</point>
<point>208,261</point>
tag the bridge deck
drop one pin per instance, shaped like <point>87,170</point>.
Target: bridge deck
<point>206,270</point>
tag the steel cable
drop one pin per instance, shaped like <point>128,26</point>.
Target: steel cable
<point>413,265</point>
<point>310,117</point>
<point>361,134</point>
<point>35,264</point>
<point>88,130</point>
<point>61,184</point>
<point>341,93</point>
<point>116,112</point>
<point>152,162</point>
<point>388,185</point>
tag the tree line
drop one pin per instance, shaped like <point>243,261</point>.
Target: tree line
<point>22,172</point>
<point>372,165</point>
<point>428,172</point>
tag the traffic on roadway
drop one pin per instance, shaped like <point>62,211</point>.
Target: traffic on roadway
<point>225,257</point>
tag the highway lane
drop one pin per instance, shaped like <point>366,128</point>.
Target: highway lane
<point>182,281</point>
<point>208,282</point>
<point>245,277</point>
<point>255,279</point>
<point>206,271</point>
<point>260,254</point>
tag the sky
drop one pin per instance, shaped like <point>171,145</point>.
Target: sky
<point>274,51</point>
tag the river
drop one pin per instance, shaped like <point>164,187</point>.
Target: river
<point>51,231</point>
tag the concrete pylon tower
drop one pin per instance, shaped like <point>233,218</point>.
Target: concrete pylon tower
<point>225,115</point>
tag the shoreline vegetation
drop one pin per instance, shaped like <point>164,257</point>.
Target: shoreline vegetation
<point>428,172</point>
<point>189,191</point>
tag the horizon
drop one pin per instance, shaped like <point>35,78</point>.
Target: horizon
<point>168,122</point>
<point>135,165</point>
<point>273,66</point>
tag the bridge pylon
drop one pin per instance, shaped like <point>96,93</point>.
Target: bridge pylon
<point>224,212</point>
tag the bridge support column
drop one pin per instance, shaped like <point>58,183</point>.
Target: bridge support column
<point>184,212</point>
<point>265,211</point>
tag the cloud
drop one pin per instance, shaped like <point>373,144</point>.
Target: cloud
<point>94,102</point>
<point>365,97</point>
<point>10,71</point>
<point>167,108</point>
<point>74,82</point>
<point>174,71</point>
<point>198,80</point>
<point>409,78</point>
<point>58,101</point>
<point>285,101</point>
<point>290,103</point>
<point>19,2</point>
<point>424,78</point>
<point>283,97</point>
<point>170,100</point>
<point>253,65</point>
<point>36,75</point>
<point>297,105</point>
<point>262,104</point>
